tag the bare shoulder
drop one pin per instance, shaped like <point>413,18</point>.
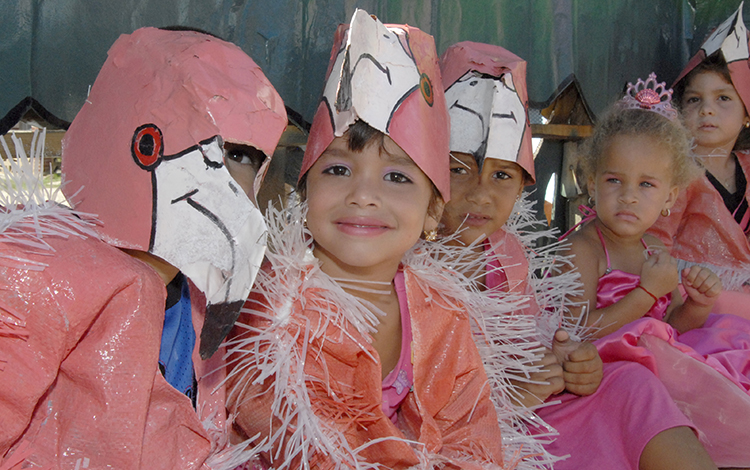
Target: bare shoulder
<point>585,244</point>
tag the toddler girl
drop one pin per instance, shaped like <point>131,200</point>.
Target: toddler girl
<point>491,162</point>
<point>355,349</point>
<point>634,166</point>
<point>710,220</point>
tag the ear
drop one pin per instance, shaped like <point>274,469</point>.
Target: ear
<point>431,221</point>
<point>672,197</point>
<point>591,188</point>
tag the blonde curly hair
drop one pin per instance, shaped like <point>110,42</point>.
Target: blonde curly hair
<point>672,135</point>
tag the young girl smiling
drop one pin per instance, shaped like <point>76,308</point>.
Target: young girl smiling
<point>355,349</point>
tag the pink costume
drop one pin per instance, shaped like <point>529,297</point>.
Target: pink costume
<point>80,320</point>
<point>80,383</point>
<point>700,228</point>
<point>696,367</point>
<point>593,431</point>
<point>304,375</point>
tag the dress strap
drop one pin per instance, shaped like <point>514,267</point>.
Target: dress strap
<point>604,246</point>
<point>645,245</point>
<point>589,214</point>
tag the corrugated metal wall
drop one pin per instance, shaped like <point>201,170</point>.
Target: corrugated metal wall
<point>53,49</point>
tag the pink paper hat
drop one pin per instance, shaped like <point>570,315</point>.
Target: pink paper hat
<point>188,85</point>
<point>387,76</point>
<point>485,90</point>
<point>146,155</point>
<point>731,41</point>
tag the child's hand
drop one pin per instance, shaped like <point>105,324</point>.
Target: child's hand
<point>551,381</point>
<point>582,366</point>
<point>701,284</point>
<point>659,274</point>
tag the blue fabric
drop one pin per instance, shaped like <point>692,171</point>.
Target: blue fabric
<point>178,342</point>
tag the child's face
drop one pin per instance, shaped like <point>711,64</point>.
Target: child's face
<point>632,185</point>
<point>481,202</point>
<point>366,209</point>
<point>713,111</point>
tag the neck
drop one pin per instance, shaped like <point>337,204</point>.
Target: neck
<point>719,153</point>
<point>365,282</point>
<point>626,241</point>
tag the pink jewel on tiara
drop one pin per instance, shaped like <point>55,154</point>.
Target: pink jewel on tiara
<point>649,95</point>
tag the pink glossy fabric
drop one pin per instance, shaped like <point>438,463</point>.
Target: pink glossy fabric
<point>453,415</point>
<point>398,383</point>
<point>79,380</point>
<point>701,229</point>
<point>609,429</point>
<point>696,368</point>
<point>616,284</point>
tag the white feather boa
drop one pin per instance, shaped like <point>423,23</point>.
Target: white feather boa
<point>274,353</point>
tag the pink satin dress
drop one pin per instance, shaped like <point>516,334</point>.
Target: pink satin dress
<point>706,370</point>
<point>609,429</point>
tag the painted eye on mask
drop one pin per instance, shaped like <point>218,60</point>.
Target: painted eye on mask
<point>147,147</point>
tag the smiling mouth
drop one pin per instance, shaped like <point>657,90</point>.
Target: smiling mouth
<point>361,227</point>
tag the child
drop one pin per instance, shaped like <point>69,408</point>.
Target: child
<point>354,349</point>
<point>634,166</point>
<point>487,182</point>
<point>104,365</point>
<point>710,220</point>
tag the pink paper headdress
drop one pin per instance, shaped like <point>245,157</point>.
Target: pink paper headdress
<point>729,39</point>
<point>485,89</point>
<point>388,77</point>
<point>145,154</point>
<point>650,96</point>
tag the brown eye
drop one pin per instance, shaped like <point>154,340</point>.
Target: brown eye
<point>244,155</point>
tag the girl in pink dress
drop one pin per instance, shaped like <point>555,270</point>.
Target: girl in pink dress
<point>634,166</point>
<point>618,418</point>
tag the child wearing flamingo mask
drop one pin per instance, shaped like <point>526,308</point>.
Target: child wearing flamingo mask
<point>355,349</point>
<point>114,360</point>
<point>710,220</point>
<point>635,164</point>
<point>490,165</point>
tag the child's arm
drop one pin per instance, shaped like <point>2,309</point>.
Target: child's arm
<point>702,287</point>
<point>658,278</point>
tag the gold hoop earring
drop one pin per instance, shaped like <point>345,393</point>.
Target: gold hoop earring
<point>667,214</point>
<point>430,235</point>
